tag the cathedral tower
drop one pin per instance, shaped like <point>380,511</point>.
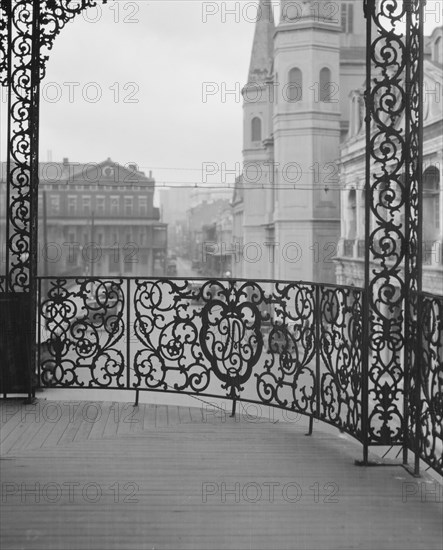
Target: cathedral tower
<point>306,142</point>
<point>296,114</point>
<point>257,148</point>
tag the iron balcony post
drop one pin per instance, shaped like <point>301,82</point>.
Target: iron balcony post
<point>318,321</point>
<point>8,286</point>
<point>128,335</point>
<point>408,247</point>
<point>34,185</point>
<point>39,328</point>
<point>419,251</point>
<point>369,11</point>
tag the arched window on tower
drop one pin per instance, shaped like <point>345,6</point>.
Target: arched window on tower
<point>295,85</point>
<point>256,129</point>
<point>325,85</point>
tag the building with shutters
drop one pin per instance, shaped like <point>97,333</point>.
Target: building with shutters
<point>351,250</point>
<point>96,219</point>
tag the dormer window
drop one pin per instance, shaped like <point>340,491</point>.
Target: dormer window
<point>108,171</point>
<point>256,129</point>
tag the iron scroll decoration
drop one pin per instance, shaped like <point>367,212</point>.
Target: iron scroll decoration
<point>231,337</point>
<point>28,29</point>
<point>392,261</point>
<point>295,346</point>
<point>153,334</point>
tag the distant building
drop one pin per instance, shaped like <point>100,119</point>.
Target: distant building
<point>219,252</point>
<point>212,192</point>
<point>96,219</point>
<point>204,241</point>
<point>174,204</point>
<point>351,250</point>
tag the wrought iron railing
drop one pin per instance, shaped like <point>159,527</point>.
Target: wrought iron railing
<point>427,383</point>
<point>295,346</point>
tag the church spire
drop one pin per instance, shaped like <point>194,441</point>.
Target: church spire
<point>263,46</point>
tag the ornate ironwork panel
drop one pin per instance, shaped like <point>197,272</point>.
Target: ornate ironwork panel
<point>18,67</point>
<point>288,377</point>
<point>413,230</point>
<point>193,336</point>
<point>4,41</point>
<point>27,32</point>
<point>54,15</point>
<point>393,121</point>
<point>341,353</point>
<point>290,345</point>
<point>83,334</point>
<point>429,427</point>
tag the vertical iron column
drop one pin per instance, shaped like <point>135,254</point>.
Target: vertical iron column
<point>20,72</point>
<point>413,220</point>
<point>368,12</point>
<point>393,256</point>
<point>22,144</point>
<point>415,207</point>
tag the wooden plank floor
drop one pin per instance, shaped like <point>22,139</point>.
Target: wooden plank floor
<point>107,476</point>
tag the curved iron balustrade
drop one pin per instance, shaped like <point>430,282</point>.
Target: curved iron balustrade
<point>296,346</point>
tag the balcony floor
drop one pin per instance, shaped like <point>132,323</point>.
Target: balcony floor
<point>169,453</point>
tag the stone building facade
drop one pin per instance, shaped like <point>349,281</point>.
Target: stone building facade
<point>351,250</point>
<point>95,219</point>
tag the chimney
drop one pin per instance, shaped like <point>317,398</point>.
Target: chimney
<point>65,161</point>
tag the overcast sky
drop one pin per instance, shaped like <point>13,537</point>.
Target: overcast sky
<point>125,81</point>
<point>156,57</point>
